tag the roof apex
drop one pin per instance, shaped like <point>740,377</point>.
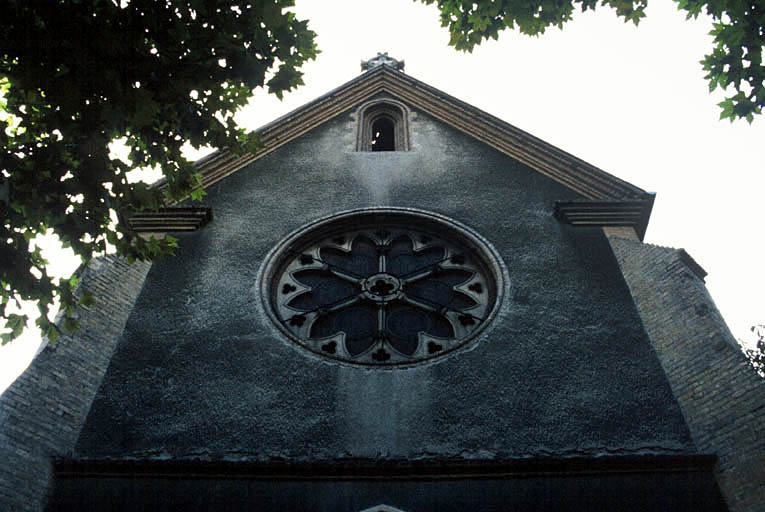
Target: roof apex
<point>589,181</point>
<point>382,59</point>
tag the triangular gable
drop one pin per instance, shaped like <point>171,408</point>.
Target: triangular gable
<point>576,174</point>
<point>592,183</point>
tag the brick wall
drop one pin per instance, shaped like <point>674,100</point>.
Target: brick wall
<point>720,394</point>
<point>42,412</point>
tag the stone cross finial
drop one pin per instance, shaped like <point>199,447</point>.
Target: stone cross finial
<point>382,58</point>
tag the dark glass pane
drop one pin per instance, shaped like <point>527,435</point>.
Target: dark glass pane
<point>326,288</point>
<point>362,260</point>
<point>438,290</point>
<point>402,260</point>
<point>404,323</point>
<point>358,323</point>
<point>383,135</point>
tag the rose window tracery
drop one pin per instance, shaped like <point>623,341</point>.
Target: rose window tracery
<point>381,288</point>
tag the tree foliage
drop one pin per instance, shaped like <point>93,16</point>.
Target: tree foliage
<point>735,63</point>
<point>76,75</point>
<point>757,354</point>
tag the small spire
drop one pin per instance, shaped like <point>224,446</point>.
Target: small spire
<point>382,59</point>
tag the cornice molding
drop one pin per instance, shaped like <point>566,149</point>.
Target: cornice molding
<point>170,219</point>
<point>626,213</point>
<point>578,175</point>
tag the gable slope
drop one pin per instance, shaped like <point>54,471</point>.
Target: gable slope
<point>591,182</point>
<point>576,174</point>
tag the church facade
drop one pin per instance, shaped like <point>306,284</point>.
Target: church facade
<point>401,303</point>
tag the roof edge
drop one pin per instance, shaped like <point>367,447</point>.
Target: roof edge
<point>589,181</point>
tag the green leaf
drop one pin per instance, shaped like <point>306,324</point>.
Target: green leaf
<point>74,281</point>
<point>146,62</point>
<point>197,194</point>
<point>16,323</point>
<point>69,325</point>
<point>52,335</point>
<point>86,299</point>
<point>736,57</point>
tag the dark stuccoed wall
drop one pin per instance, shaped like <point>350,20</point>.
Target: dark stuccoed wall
<point>565,369</point>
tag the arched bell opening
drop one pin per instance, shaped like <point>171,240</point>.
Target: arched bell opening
<point>383,126</point>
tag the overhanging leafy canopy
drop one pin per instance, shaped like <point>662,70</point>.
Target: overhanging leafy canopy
<point>76,75</point>
<point>735,60</point>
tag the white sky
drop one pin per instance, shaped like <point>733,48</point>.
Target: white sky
<point>630,100</point>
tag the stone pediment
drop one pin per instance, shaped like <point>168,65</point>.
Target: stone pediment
<point>592,183</point>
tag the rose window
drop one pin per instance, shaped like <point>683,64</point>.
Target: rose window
<point>382,287</point>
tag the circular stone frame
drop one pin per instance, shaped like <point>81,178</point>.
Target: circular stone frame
<point>395,270</point>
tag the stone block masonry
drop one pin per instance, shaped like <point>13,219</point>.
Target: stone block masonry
<point>42,412</point>
<point>720,394</point>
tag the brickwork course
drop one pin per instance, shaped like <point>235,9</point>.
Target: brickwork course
<point>42,412</point>
<point>719,392</point>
